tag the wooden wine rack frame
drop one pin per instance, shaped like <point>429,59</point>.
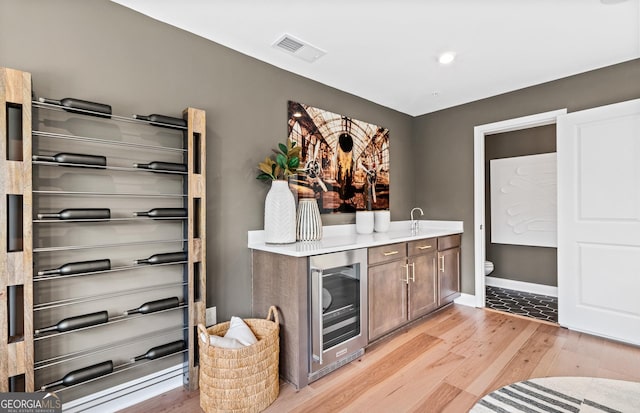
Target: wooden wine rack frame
<point>16,358</point>
<point>16,268</point>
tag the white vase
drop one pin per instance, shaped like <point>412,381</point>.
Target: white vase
<point>280,214</point>
<point>309,222</point>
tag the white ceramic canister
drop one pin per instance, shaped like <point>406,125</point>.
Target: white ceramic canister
<point>364,222</point>
<point>382,220</point>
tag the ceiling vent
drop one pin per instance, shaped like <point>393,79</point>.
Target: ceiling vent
<point>298,48</point>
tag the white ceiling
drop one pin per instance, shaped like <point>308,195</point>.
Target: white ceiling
<point>386,51</point>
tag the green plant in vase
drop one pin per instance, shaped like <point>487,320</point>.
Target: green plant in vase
<point>280,205</point>
<point>285,164</point>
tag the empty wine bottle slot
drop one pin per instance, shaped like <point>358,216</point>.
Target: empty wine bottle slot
<point>15,311</point>
<point>163,213</point>
<point>74,159</point>
<point>78,213</point>
<point>196,353</point>
<point>14,223</point>
<point>162,166</point>
<point>74,323</point>
<point>79,267</point>
<point>17,383</point>
<point>84,106</point>
<point>196,217</point>
<point>162,120</point>
<point>14,131</point>
<point>161,351</point>
<point>153,306</point>
<point>164,258</point>
<point>196,282</point>
<point>196,153</point>
<point>81,375</point>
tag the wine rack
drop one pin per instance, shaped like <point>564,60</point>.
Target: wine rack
<point>154,165</point>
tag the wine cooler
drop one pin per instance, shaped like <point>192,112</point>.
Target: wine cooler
<point>338,310</point>
<point>105,244</point>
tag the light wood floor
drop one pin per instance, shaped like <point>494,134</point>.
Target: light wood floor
<point>444,363</point>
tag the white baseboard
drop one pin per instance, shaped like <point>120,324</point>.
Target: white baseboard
<point>128,394</point>
<point>522,286</point>
<point>466,299</point>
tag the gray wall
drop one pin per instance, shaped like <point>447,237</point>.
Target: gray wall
<point>536,265</point>
<point>443,140</point>
<point>100,51</point>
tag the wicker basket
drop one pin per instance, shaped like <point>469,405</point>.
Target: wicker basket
<point>240,380</point>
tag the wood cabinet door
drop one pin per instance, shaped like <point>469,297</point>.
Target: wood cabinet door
<point>423,285</point>
<point>448,275</point>
<point>387,297</point>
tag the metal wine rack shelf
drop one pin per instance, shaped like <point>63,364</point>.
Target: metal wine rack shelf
<point>100,349</point>
<point>38,104</point>
<point>96,297</point>
<point>108,194</point>
<point>55,277</point>
<point>28,361</point>
<point>112,320</point>
<point>110,168</point>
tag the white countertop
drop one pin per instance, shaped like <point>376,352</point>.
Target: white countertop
<point>344,237</point>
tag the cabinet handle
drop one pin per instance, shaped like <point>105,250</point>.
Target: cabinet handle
<point>424,247</point>
<point>413,272</point>
<point>406,270</point>
<point>441,258</point>
<point>386,254</point>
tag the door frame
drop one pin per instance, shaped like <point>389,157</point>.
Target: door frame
<point>479,133</point>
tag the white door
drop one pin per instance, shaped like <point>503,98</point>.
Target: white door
<point>599,221</point>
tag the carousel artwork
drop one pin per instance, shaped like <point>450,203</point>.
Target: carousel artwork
<point>344,162</point>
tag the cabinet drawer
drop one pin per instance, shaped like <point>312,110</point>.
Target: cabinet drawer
<point>387,253</point>
<point>422,246</point>
<point>450,241</point>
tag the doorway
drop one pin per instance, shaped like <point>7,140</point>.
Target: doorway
<point>480,134</point>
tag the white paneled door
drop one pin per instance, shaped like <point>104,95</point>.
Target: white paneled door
<point>599,221</point>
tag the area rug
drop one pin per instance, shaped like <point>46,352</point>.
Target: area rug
<point>563,395</point>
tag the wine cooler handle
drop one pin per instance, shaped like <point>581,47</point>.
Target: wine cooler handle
<point>316,315</point>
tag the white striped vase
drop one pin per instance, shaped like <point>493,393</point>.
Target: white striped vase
<point>309,222</point>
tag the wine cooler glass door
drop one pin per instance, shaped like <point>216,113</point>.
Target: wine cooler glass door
<point>338,307</point>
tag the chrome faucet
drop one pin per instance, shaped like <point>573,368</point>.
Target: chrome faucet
<point>415,224</point>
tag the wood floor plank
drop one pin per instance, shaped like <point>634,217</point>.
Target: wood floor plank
<point>522,365</point>
<point>622,359</point>
<point>438,400</point>
<point>410,385</point>
<point>570,363</point>
<point>550,356</point>
<point>336,400</point>
<point>463,402</point>
<point>487,360</point>
<point>443,363</point>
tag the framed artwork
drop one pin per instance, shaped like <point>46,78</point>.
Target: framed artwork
<point>344,162</point>
<point>524,200</point>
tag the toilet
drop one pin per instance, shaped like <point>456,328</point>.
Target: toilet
<point>488,267</point>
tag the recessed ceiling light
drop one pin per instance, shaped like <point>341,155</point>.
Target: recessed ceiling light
<point>446,58</point>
